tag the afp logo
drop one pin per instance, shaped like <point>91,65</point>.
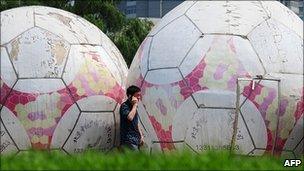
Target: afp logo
<point>292,162</point>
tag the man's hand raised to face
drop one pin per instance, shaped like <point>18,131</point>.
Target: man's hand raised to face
<point>134,101</point>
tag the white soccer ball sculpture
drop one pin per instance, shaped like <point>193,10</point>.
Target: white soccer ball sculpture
<point>62,82</point>
<point>191,63</point>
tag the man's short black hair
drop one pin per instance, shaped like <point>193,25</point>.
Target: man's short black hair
<point>132,90</point>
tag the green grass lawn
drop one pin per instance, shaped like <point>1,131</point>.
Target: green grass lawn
<point>91,160</point>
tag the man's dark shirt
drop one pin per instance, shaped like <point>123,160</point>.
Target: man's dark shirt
<point>128,129</point>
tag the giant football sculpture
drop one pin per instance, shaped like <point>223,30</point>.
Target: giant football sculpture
<point>62,82</point>
<point>219,75</point>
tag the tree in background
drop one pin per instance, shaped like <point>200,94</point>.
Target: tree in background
<point>127,34</point>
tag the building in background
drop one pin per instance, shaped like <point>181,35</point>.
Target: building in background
<point>296,6</point>
<point>158,8</point>
<point>147,9</point>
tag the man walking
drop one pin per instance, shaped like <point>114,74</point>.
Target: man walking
<point>131,136</point>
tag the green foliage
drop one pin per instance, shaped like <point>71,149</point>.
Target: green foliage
<point>127,34</point>
<point>130,37</point>
<point>114,160</point>
<point>97,21</point>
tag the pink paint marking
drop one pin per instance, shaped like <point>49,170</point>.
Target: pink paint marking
<point>251,94</point>
<point>269,140</point>
<point>231,84</point>
<point>162,135</point>
<point>192,80</point>
<point>85,85</point>
<point>117,93</point>
<point>4,92</point>
<point>94,55</point>
<point>279,145</point>
<point>65,101</point>
<point>241,72</point>
<point>145,85</point>
<point>300,107</point>
<point>95,76</point>
<point>35,131</point>
<point>139,81</point>
<point>38,115</point>
<point>161,106</point>
<point>49,131</point>
<point>14,98</point>
<point>23,99</point>
<point>74,94</point>
<point>231,45</point>
<point>267,101</point>
<point>41,131</point>
<point>283,106</point>
<point>221,68</point>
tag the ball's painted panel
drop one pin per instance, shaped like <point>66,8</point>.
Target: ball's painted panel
<point>93,130</point>
<point>144,50</point>
<point>179,29</point>
<point>120,70</point>
<point>239,12</point>
<point>147,127</point>
<point>195,55</point>
<point>114,64</point>
<point>247,56</point>
<point>201,14</point>
<point>243,141</point>
<point>227,16</point>
<point>15,129</point>
<point>254,122</point>
<point>214,63</point>
<point>75,61</point>
<point>39,85</point>
<point>183,116</point>
<point>296,136</point>
<point>65,127</point>
<point>88,74</point>
<point>96,103</point>
<point>66,25</point>
<point>8,75</point>
<point>215,98</point>
<point>23,17</point>
<point>281,13</point>
<point>272,41</point>
<point>139,67</point>
<point>161,103</point>
<point>210,129</point>
<point>291,84</point>
<point>168,75</point>
<point>38,53</point>
<point>171,16</point>
<point>7,144</point>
